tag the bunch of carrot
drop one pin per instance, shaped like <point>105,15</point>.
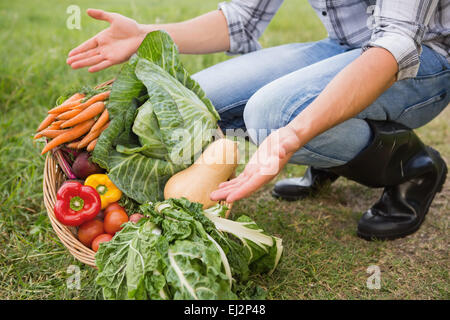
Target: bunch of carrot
<point>75,117</point>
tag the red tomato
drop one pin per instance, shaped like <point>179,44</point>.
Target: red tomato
<point>113,206</point>
<point>89,230</point>
<point>99,239</point>
<point>114,219</point>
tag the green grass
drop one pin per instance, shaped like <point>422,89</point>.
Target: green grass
<point>323,258</point>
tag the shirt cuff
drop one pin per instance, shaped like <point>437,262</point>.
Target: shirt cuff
<point>240,42</point>
<point>403,49</point>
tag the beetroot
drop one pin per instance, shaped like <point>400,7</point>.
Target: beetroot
<point>83,166</point>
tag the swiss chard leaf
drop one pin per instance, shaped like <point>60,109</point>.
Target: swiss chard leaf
<point>194,272</point>
<point>144,263</point>
<point>111,260</point>
<point>179,252</point>
<point>130,260</point>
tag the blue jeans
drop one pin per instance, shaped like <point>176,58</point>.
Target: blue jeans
<point>266,89</point>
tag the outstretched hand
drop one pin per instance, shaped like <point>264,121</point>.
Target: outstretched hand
<point>111,46</point>
<point>271,156</point>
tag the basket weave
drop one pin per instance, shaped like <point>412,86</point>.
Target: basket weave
<point>53,179</point>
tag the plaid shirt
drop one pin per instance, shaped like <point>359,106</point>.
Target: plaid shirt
<point>399,26</point>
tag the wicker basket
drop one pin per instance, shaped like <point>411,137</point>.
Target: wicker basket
<point>53,179</point>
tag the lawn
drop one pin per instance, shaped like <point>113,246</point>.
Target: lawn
<point>323,257</point>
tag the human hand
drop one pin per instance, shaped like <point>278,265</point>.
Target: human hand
<point>271,156</point>
<point>111,46</point>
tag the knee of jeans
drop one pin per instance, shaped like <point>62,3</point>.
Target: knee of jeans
<point>271,108</point>
<point>261,115</point>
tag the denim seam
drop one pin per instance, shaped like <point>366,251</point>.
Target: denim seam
<point>417,106</point>
<point>232,106</point>
<point>431,76</point>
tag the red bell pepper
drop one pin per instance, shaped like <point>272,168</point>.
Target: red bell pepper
<point>76,203</point>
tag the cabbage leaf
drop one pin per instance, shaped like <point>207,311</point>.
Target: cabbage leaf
<point>160,120</point>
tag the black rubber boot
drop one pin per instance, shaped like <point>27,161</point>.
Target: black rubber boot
<point>410,172</point>
<point>299,188</point>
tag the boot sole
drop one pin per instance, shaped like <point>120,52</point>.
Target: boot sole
<point>291,198</point>
<point>314,191</point>
<point>437,189</point>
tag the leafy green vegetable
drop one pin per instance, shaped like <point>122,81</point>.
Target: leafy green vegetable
<point>180,251</point>
<point>111,261</point>
<point>147,129</point>
<point>130,267</point>
<point>145,265</point>
<point>140,177</point>
<point>160,121</point>
<point>159,48</point>
<point>182,116</point>
<point>194,271</point>
<point>125,89</point>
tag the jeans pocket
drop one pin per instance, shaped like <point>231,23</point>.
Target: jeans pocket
<point>423,112</point>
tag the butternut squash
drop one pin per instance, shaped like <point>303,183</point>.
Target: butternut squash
<point>216,165</point>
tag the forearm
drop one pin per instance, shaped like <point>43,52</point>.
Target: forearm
<point>350,92</point>
<point>207,33</point>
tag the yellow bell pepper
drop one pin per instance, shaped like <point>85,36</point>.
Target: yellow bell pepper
<point>107,190</point>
